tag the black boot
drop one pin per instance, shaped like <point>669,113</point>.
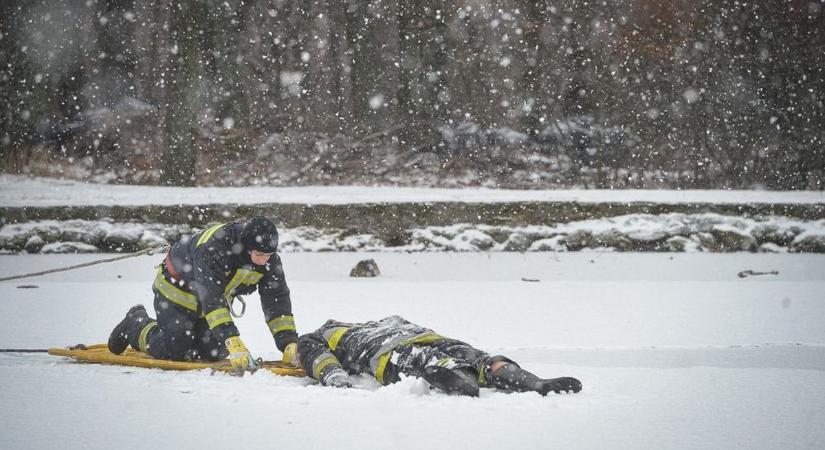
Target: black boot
<point>452,381</point>
<point>559,385</point>
<point>513,378</point>
<point>128,329</point>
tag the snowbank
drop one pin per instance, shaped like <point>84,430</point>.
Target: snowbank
<point>675,232</point>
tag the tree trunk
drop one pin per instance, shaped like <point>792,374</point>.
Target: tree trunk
<point>180,76</point>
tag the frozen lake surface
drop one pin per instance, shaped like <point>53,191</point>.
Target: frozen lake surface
<point>673,350</point>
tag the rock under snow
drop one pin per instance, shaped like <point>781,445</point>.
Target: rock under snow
<point>365,268</point>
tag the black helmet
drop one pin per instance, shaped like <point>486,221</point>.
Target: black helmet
<point>259,233</point>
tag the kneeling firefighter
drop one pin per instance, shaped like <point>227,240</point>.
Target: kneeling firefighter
<point>195,288</point>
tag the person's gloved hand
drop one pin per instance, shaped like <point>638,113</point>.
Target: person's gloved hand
<point>291,354</point>
<point>337,377</point>
<point>239,357</point>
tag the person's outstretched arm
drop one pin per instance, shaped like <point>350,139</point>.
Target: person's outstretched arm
<point>319,362</point>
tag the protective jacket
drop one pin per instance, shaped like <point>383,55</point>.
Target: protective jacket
<point>361,348</point>
<point>204,272</point>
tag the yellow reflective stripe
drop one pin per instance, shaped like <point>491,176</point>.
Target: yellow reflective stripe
<point>318,367</point>
<point>144,336</point>
<point>252,277</point>
<point>332,342</point>
<point>282,323</point>
<point>218,317</point>
<point>445,362</point>
<point>379,361</point>
<point>425,339</point>
<point>382,365</point>
<point>242,276</point>
<point>208,234</point>
<point>175,294</point>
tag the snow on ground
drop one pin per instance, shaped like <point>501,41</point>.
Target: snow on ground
<point>20,191</point>
<point>674,350</point>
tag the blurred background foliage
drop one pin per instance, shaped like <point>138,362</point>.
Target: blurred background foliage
<point>499,93</point>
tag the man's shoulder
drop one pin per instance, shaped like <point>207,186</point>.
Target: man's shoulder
<point>273,266</point>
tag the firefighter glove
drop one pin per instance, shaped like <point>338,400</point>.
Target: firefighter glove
<point>239,357</point>
<point>336,377</point>
<point>291,354</point>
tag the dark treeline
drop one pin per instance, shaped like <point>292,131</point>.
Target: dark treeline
<point>713,93</point>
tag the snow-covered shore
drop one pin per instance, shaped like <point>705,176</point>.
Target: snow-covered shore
<point>673,232</point>
<point>148,216</point>
<point>21,191</point>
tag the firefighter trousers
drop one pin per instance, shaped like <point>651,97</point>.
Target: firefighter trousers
<point>411,360</point>
<point>182,335</point>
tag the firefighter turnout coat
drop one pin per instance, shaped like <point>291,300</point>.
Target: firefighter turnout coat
<point>204,272</point>
<point>362,347</point>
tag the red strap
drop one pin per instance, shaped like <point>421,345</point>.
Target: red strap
<point>168,263</point>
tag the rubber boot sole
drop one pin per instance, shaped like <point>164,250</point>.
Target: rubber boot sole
<point>559,385</point>
<point>451,382</point>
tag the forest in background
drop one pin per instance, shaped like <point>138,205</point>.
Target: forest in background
<point>497,93</point>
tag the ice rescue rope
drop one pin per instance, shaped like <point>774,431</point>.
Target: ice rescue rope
<point>147,251</point>
<point>38,350</point>
<point>236,372</point>
<point>24,350</point>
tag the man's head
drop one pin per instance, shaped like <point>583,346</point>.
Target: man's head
<point>259,238</point>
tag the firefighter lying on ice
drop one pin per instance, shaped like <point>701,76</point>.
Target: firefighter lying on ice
<point>393,346</point>
<point>194,290</point>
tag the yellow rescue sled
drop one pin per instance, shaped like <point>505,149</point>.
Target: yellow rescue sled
<point>99,354</point>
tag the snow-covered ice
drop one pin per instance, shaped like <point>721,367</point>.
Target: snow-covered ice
<point>674,351</point>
